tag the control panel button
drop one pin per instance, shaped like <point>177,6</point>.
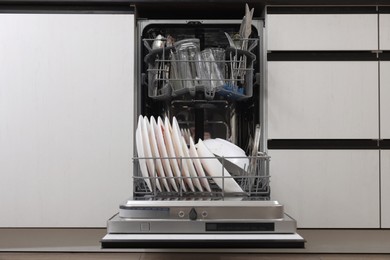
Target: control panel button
<point>145,227</point>
<point>193,215</point>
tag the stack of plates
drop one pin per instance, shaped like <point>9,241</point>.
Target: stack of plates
<point>170,161</point>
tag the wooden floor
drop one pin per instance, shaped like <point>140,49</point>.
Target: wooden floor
<point>185,256</point>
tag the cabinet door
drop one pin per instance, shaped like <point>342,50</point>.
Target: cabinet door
<point>320,100</point>
<point>329,188</point>
<point>66,113</point>
<point>385,99</point>
<point>385,188</point>
<point>322,32</point>
<point>384,31</point>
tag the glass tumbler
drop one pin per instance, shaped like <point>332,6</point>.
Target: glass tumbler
<point>213,67</point>
<point>188,62</point>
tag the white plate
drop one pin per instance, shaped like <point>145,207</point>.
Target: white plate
<point>188,133</point>
<point>140,152</point>
<point>198,166</point>
<point>214,168</point>
<point>185,135</point>
<point>176,138</point>
<point>158,129</point>
<point>190,165</point>
<point>155,152</point>
<point>148,153</point>
<point>171,152</point>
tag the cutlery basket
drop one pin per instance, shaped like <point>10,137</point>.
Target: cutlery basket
<point>253,179</point>
<point>171,73</point>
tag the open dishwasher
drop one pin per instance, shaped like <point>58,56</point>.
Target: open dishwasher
<point>201,175</point>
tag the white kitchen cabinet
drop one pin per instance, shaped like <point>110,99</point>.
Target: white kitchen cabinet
<point>322,99</point>
<point>66,113</point>
<point>385,99</point>
<point>384,31</point>
<point>294,32</point>
<point>385,188</point>
<point>328,188</point>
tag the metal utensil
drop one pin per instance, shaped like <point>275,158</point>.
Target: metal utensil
<point>146,44</point>
<point>252,46</point>
<point>248,23</point>
<point>256,143</point>
<point>246,32</point>
<point>170,41</point>
<point>231,42</point>
<point>254,153</point>
<point>242,27</point>
<point>246,27</point>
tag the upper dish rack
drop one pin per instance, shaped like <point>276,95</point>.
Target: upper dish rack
<point>182,68</point>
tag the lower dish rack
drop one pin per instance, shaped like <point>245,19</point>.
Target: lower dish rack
<point>252,180</point>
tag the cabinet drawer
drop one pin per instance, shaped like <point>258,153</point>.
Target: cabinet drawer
<point>323,100</point>
<point>385,99</point>
<point>322,32</point>
<point>385,188</point>
<point>384,31</point>
<point>328,188</point>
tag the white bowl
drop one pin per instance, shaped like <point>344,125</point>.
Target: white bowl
<point>221,147</point>
<point>214,169</point>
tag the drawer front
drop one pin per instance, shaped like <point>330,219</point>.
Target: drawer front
<point>385,99</point>
<point>385,188</point>
<point>327,189</point>
<point>322,32</point>
<point>384,31</point>
<point>323,100</point>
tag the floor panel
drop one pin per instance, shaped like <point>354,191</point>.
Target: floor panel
<point>186,256</point>
<point>88,241</point>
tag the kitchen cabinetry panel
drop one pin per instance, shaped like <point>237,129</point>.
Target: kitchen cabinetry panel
<point>66,131</point>
<point>327,189</point>
<point>385,99</point>
<point>385,188</point>
<point>322,32</point>
<point>384,31</point>
<point>323,100</point>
